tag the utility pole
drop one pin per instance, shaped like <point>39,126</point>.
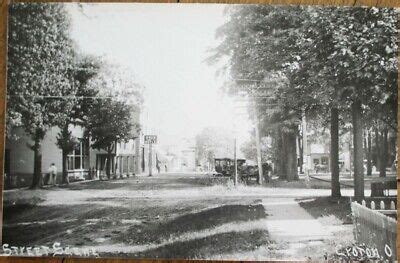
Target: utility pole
<point>257,131</point>
<point>258,146</point>
<point>150,159</point>
<point>306,154</point>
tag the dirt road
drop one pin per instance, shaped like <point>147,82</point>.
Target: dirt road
<point>169,216</point>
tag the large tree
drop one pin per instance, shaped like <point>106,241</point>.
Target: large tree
<point>259,42</point>
<point>364,67</point>
<point>213,142</point>
<point>75,107</point>
<point>109,123</point>
<point>332,61</point>
<point>113,115</point>
<point>349,70</point>
<point>249,151</point>
<point>39,57</point>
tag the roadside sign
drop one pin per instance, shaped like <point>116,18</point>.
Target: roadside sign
<point>150,139</point>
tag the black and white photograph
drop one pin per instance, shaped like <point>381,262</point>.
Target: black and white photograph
<point>201,131</point>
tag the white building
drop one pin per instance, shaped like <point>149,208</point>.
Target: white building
<point>19,158</point>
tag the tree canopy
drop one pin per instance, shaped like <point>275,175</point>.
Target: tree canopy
<point>296,61</point>
<point>40,62</point>
<point>40,57</point>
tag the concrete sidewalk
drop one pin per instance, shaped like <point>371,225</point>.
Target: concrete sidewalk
<point>293,230</point>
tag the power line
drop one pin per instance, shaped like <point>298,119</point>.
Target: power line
<point>250,80</point>
<point>63,97</point>
<point>266,105</point>
<point>258,97</point>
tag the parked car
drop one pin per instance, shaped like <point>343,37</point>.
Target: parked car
<point>226,166</point>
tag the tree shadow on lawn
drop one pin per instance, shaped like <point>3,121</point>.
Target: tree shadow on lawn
<point>27,225</point>
<point>203,248</point>
<point>78,225</point>
<point>30,213</point>
<point>156,232</point>
<point>326,206</point>
<point>36,234</point>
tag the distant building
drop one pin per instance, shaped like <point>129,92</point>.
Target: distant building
<point>320,158</point>
<point>189,159</point>
<point>188,155</point>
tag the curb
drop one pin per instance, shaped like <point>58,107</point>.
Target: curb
<point>49,186</point>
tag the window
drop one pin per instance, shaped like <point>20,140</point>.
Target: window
<point>316,161</point>
<point>324,160</point>
<point>79,158</point>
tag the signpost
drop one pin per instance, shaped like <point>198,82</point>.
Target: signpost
<point>150,140</point>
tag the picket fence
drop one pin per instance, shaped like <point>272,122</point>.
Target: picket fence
<point>375,228</point>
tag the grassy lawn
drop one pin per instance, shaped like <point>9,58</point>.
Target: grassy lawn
<point>326,206</point>
<point>170,216</point>
<point>146,226</point>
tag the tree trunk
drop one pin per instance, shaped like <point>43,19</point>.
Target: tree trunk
<point>301,151</point>
<point>384,153</point>
<point>281,153</point>
<point>358,150</point>
<point>291,155</point>
<point>108,164</point>
<point>378,149</point>
<point>65,179</point>
<point>273,159</point>
<point>335,185</point>
<point>37,179</point>
<point>65,137</point>
<point>369,153</point>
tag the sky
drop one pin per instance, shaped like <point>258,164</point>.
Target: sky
<point>164,46</point>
